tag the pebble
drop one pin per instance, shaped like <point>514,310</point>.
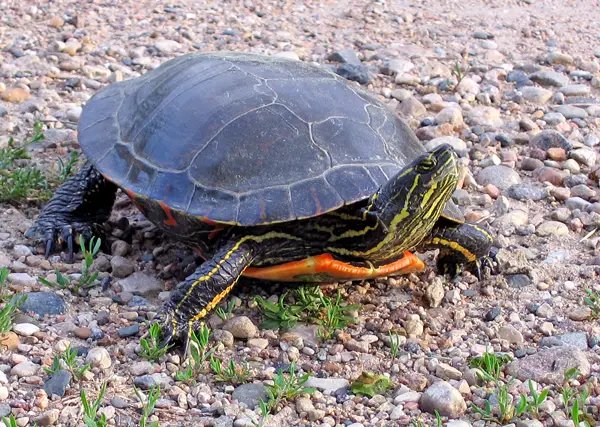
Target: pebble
<point>141,283</point>
<point>548,365</point>
<point>121,266</point>
<point>549,78</point>
<point>445,399</point>
<point>43,304</point>
<point>550,138</point>
<point>574,339</point>
<point>129,331</point>
<point>501,176</point>
<point>25,369</point>
<point>241,327</point>
<point>572,112</point>
<point>358,73</point>
<point>327,385</point>
<point>585,156</point>
<point>250,394</point>
<point>510,334</point>
<point>25,329</point>
<point>21,279</point>
<point>99,357</point>
<point>536,95</point>
<point>575,90</point>
<point>58,382</point>
<point>555,228</point>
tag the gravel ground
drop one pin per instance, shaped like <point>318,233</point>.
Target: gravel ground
<point>525,119</point>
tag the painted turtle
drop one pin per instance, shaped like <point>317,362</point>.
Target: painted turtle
<point>273,168</point>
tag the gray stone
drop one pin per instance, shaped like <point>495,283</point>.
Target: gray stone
<point>57,384</point>
<point>250,394</point>
<point>141,283</point>
<point>574,339</point>
<point>548,365</point>
<point>98,357</point>
<point>43,304</point>
<point>358,73</point>
<point>585,156</point>
<point>345,55</point>
<point>575,90</point>
<point>554,118</point>
<point>241,327</point>
<point>25,329</point>
<point>555,228</point>
<point>573,203</point>
<point>529,423</point>
<point>535,95</point>
<point>456,143</point>
<point>25,369</point>
<point>572,112</point>
<point>21,279</point>
<point>327,385</point>
<point>510,334</point>
<point>527,192</point>
<point>121,267</point>
<point>549,78</point>
<point>550,139</point>
<point>411,107</point>
<point>485,116</point>
<point>445,399</point>
<point>167,46</point>
<point>5,410</point>
<point>501,176</point>
<point>128,331</point>
<point>397,66</point>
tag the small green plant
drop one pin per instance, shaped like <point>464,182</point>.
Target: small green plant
<point>10,421</point>
<point>418,422</point>
<point>90,411</point>
<point>148,405</point>
<point>230,374</point>
<point>264,414</point>
<point>279,315</point>
<point>459,73</point>
<point>394,344</point>
<point>506,410</point>
<point>89,253</point>
<point>286,387</point>
<point>69,359</point>
<point>335,316</point>
<point>198,355</point>
<point>65,170</point>
<point>490,366</point>
<point>17,180</point>
<point>7,314</point>
<point>224,315</point>
<point>592,300</point>
<point>532,405</point>
<point>152,350</point>
<point>87,279</point>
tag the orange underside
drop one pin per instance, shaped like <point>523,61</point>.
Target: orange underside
<point>324,267</point>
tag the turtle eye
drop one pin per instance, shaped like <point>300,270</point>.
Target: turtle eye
<point>426,164</point>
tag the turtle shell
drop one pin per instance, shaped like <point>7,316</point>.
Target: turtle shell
<point>245,139</point>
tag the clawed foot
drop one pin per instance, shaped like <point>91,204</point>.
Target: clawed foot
<point>448,264</point>
<point>58,231</point>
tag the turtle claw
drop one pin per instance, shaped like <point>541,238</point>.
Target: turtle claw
<point>49,246</point>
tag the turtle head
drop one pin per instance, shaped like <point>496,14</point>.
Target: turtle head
<point>409,204</point>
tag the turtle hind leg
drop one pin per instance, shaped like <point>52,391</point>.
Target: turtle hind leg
<point>78,207</point>
<point>462,246</point>
<point>200,292</point>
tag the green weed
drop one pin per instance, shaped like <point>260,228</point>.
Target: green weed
<point>394,344</point>
<point>532,405</point>
<point>230,374</point>
<point>10,421</point>
<point>592,300</point>
<point>286,387</point>
<point>490,366</point>
<point>264,414</point>
<point>334,316</point>
<point>224,315</point>
<point>148,405</point>
<point>8,312</point>
<point>87,279</point>
<point>69,359</point>
<point>279,315</point>
<point>65,170</point>
<point>17,180</point>
<point>90,410</point>
<point>199,354</point>
<point>152,349</point>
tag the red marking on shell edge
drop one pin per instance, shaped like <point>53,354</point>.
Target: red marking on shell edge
<point>133,196</point>
<point>217,226</point>
<point>317,201</point>
<point>170,221</point>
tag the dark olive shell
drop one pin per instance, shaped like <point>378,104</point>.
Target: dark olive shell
<point>245,139</point>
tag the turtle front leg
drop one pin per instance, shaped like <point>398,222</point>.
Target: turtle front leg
<point>465,245</point>
<point>199,293</point>
<point>79,206</point>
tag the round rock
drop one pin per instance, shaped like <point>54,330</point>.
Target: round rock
<point>99,357</point>
<point>43,304</point>
<point>501,176</point>
<point>241,327</point>
<point>445,399</point>
<point>250,394</point>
